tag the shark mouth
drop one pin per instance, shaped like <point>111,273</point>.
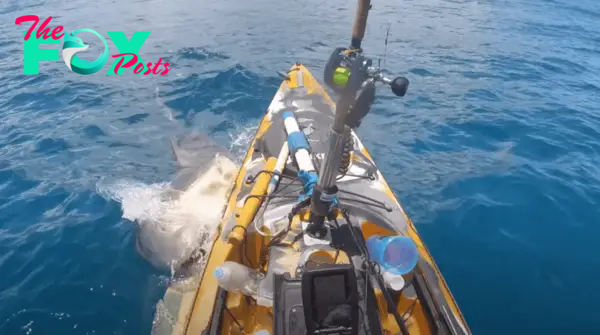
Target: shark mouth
<point>69,53</point>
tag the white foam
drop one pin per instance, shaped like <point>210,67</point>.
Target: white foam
<point>173,225</point>
<point>241,139</point>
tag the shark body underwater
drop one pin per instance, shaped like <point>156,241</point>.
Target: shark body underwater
<point>177,239</point>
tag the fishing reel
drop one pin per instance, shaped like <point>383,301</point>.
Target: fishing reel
<point>362,86</point>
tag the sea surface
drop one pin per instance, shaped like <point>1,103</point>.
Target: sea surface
<point>494,152</point>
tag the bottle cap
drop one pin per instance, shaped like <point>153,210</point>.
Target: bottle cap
<point>221,273</point>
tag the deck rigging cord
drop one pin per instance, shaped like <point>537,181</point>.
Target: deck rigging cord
<point>259,217</point>
<point>294,179</point>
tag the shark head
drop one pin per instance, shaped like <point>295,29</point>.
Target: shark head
<point>179,237</point>
<point>72,46</point>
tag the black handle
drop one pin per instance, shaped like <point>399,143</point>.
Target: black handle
<point>399,86</point>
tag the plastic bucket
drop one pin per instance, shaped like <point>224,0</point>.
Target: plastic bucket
<point>395,254</point>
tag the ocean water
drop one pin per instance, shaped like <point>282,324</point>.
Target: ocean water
<point>494,152</point>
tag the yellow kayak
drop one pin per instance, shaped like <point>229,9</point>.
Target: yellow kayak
<point>307,246</point>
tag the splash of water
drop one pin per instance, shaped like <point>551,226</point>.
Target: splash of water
<point>173,225</point>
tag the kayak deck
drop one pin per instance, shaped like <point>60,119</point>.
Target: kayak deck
<point>369,208</point>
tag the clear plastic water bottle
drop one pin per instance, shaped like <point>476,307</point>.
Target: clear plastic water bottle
<point>235,277</point>
<point>395,254</point>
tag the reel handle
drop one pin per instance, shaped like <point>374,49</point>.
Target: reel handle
<point>399,86</point>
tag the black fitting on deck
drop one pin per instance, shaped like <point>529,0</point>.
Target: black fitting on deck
<point>319,210</point>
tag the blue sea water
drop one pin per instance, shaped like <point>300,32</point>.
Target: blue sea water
<point>494,151</point>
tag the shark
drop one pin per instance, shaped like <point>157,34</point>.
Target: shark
<point>179,238</point>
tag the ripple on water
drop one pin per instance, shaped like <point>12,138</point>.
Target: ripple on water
<point>93,131</point>
<point>235,88</point>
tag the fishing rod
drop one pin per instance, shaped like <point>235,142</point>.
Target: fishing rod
<point>360,23</point>
<point>353,77</point>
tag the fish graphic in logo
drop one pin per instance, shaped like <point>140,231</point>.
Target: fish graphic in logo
<point>74,45</point>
